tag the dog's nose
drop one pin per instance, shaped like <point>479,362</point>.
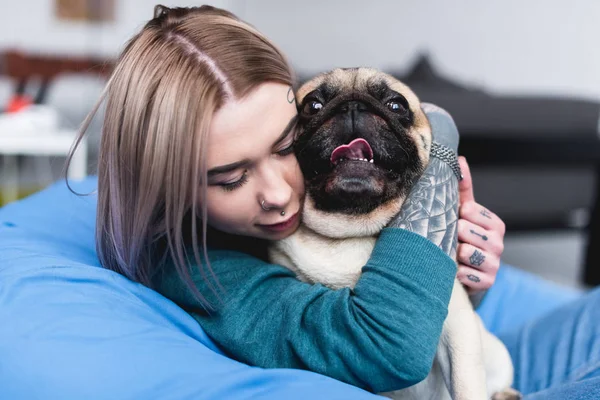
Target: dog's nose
<point>353,106</point>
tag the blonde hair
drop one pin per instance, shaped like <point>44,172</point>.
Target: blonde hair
<point>167,84</point>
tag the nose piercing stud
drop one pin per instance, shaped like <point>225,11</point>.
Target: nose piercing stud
<point>262,205</point>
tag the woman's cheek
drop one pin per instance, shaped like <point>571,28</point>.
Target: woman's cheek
<point>296,176</point>
<point>229,211</point>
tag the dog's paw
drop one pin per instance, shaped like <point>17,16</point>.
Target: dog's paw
<point>507,394</point>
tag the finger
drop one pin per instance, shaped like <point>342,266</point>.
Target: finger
<point>465,186</point>
<point>481,216</point>
<point>479,237</point>
<point>473,279</point>
<point>477,258</point>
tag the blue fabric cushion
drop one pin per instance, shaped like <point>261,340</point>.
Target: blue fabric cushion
<point>70,329</point>
<point>519,297</point>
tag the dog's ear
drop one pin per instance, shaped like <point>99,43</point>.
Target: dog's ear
<point>420,130</point>
<point>308,87</point>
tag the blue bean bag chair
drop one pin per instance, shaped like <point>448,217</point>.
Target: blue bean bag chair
<point>70,329</point>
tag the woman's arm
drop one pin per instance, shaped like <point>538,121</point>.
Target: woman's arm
<point>380,336</point>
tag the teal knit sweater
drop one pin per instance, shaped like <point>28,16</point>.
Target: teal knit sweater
<point>380,336</point>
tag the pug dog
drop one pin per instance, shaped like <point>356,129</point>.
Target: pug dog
<point>363,142</point>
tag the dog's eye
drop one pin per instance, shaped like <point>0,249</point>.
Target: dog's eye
<point>395,106</point>
<point>313,107</point>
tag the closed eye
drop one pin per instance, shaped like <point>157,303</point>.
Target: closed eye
<point>230,186</point>
<point>287,151</point>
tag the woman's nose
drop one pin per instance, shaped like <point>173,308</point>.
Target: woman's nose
<point>276,193</point>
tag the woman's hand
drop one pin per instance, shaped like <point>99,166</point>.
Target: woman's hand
<point>480,238</point>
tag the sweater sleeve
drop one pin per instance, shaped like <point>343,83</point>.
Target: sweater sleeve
<point>380,336</point>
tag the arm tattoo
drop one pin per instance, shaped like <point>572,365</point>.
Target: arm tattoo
<point>431,208</point>
<point>477,258</point>
<point>484,237</point>
<point>486,213</point>
<point>473,278</point>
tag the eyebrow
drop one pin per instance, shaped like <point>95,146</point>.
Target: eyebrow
<point>228,168</point>
<point>245,163</point>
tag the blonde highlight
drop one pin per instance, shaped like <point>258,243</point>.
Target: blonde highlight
<point>168,82</point>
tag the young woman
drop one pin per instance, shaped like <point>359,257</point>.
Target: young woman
<point>196,162</point>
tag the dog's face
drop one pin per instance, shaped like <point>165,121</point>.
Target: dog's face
<point>363,141</point>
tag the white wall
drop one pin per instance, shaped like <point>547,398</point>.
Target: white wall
<point>31,25</point>
<point>546,46</point>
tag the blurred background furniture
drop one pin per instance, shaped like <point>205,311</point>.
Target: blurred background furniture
<point>33,151</point>
<point>51,143</point>
<point>69,84</point>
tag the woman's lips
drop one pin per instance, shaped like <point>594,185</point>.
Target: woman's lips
<point>282,226</point>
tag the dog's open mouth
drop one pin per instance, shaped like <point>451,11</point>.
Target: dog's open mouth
<point>357,150</point>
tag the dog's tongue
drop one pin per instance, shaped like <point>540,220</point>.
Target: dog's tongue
<point>358,148</point>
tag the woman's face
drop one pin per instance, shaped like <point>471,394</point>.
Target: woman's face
<point>250,162</point>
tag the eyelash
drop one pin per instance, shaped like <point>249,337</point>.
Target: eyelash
<point>287,151</point>
<point>228,187</point>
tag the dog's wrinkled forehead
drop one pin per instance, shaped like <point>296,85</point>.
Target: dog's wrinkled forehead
<point>370,81</point>
<point>345,80</point>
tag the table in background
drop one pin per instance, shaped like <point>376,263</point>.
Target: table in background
<point>43,144</point>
